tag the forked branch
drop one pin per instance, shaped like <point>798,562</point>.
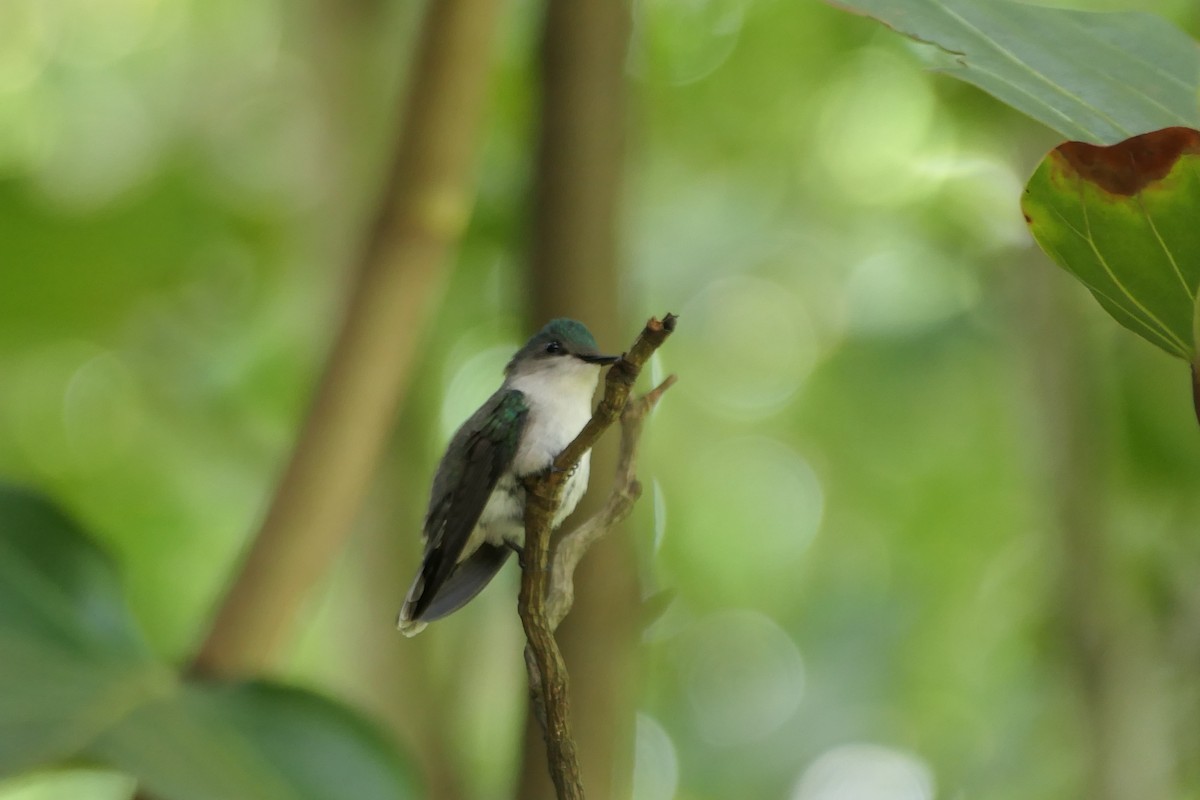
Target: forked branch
<point>546,597</point>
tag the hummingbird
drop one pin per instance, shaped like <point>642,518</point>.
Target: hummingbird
<point>476,514</point>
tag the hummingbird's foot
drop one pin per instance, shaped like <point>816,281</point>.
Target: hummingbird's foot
<point>519,550</point>
<point>553,470</point>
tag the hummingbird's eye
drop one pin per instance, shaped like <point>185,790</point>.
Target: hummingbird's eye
<point>554,347</point>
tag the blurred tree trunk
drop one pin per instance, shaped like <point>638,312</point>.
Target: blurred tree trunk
<point>580,161</point>
<point>424,205</point>
<point>391,677</point>
<point>416,218</point>
<point>1108,645</point>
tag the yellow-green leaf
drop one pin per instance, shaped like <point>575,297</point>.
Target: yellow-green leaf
<point>1125,220</point>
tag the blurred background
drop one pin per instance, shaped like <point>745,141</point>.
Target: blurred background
<point>928,515</point>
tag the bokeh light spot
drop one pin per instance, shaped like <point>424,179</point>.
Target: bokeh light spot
<point>743,675</point>
<point>677,42</point>
<point>106,143</point>
<point>862,771</point>
<point>71,407</point>
<point>770,507</point>
<point>877,126</point>
<point>655,763</point>
<point>470,385</point>
<point>749,346</point>
<point>978,191</point>
<point>95,34</point>
<point>267,146</point>
<point>904,287</point>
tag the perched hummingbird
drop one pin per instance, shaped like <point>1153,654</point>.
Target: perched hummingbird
<point>477,506</point>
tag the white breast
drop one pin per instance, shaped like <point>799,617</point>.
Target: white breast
<point>560,404</point>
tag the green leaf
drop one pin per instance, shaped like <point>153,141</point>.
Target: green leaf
<point>1123,219</point>
<point>206,741</point>
<point>1095,77</point>
<point>67,646</point>
<point>77,682</point>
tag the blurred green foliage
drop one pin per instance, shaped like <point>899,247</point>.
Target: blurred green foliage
<point>856,488</point>
<point>77,683</point>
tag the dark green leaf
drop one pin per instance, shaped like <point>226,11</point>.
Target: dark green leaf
<point>1096,77</point>
<point>205,741</point>
<point>55,582</point>
<point>69,655</point>
<point>77,681</point>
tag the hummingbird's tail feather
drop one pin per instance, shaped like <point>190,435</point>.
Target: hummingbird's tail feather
<point>426,603</point>
<point>405,622</point>
<point>466,581</point>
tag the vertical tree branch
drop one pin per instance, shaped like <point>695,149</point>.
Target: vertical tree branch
<point>346,37</point>
<point>574,272</point>
<point>1127,739</point>
<point>548,673</point>
<point>424,207</point>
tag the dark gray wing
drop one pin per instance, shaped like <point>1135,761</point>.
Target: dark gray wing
<point>480,452</point>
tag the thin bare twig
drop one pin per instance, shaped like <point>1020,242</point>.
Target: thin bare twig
<point>547,671</point>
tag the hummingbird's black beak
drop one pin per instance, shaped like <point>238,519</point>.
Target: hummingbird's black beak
<point>595,358</point>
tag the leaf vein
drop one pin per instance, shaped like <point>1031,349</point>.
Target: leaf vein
<point>1166,250</point>
<point>1167,332</point>
<point>1131,55</point>
<point>1014,58</point>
